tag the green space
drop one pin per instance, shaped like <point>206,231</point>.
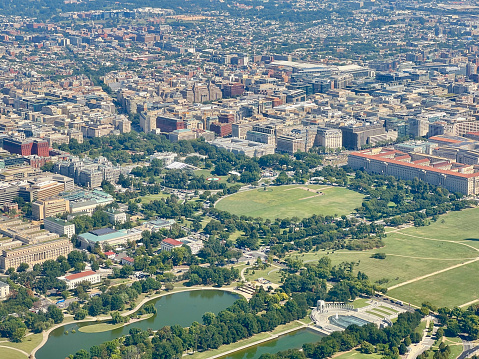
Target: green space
<point>453,226</point>
<point>381,311</point>
<point>291,201</point>
<point>29,343</point>
<point>153,197</point>
<point>104,327</point>
<point>360,303</point>
<point>273,274</point>
<point>255,338</point>
<point>395,269</point>
<point>421,327</point>
<point>451,288</point>
<point>208,173</point>
<point>355,354</point>
<point>375,314</point>
<point>11,353</point>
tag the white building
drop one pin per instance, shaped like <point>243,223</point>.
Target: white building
<point>4,290</point>
<point>59,226</point>
<point>168,244</point>
<point>72,280</point>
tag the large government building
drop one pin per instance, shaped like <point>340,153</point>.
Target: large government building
<point>35,253</point>
<point>454,176</point>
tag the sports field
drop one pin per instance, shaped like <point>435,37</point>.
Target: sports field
<point>292,201</point>
<point>437,263</point>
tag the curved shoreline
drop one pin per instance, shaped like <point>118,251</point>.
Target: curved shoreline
<point>46,334</point>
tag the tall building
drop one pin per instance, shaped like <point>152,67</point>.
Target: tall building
<point>43,208</point>
<point>418,127</point>
<point>356,136</point>
<point>330,138</point>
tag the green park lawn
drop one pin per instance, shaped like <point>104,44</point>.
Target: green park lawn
<point>153,197</point>
<point>414,252</point>
<point>273,274</point>
<point>11,353</point>
<point>291,201</point>
<point>27,345</point>
<point>448,289</point>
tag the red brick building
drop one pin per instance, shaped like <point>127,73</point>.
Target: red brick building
<point>233,89</point>
<point>168,124</point>
<point>221,129</point>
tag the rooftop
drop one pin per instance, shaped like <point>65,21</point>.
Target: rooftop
<point>80,275</point>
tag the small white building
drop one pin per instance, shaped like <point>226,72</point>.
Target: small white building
<point>72,280</point>
<point>168,244</point>
<point>59,226</point>
<point>4,290</point>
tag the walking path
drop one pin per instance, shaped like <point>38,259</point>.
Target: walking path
<point>18,350</point>
<point>46,334</point>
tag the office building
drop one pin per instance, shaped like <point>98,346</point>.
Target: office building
<point>59,226</point>
<point>329,138</point>
<point>50,207</point>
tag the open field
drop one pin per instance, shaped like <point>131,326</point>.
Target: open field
<point>273,274</point>
<point>448,289</point>
<point>153,197</point>
<point>290,201</point>
<point>434,263</point>
<point>11,353</point>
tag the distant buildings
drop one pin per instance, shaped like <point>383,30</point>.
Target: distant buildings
<point>329,138</point>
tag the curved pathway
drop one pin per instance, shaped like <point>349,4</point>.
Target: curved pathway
<point>46,334</point>
<point>18,350</point>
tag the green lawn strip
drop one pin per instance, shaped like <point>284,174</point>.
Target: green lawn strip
<point>289,201</point>
<point>251,340</point>
<point>381,311</point>
<point>357,355</point>
<point>420,328</point>
<point>448,289</point>
<point>361,303</point>
<point>11,353</point>
<point>375,314</point>
<point>104,327</point>
<point>233,346</point>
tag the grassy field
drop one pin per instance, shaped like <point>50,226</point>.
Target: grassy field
<point>27,345</point>
<point>361,303</point>
<point>272,274</point>
<point>11,353</point>
<point>152,197</point>
<point>395,268</point>
<point>290,201</point>
<point>448,289</point>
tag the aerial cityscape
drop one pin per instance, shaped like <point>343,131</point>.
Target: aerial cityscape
<point>248,179</point>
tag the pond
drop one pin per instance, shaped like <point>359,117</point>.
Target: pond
<point>178,308</point>
<point>293,340</point>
